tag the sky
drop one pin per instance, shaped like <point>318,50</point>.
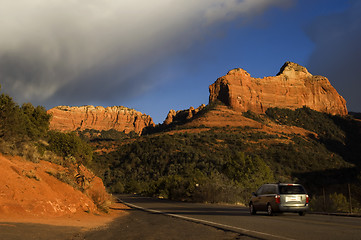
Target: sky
<point>158,55</point>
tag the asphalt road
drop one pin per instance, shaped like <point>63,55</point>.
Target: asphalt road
<point>238,220</point>
<point>138,224</point>
<point>134,226</point>
<point>153,226</point>
<point>162,220</point>
<point>34,231</point>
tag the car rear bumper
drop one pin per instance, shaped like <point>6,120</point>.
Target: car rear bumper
<point>303,208</point>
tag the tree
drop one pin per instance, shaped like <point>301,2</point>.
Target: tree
<point>11,119</point>
<point>70,144</point>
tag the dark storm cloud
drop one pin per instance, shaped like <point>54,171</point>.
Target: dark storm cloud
<point>337,53</point>
<point>75,52</point>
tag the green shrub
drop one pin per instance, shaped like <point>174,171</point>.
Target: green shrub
<point>70,145</point>
<point>22,123</point>
<point>117,187</point>
<point>254,116</point>
<point>170,166</point>
<point>320,123</point>
<point>335,202</point>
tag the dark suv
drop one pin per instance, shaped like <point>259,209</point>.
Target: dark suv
<point>279,197</point>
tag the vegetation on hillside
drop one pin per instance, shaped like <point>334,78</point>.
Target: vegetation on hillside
<point>183,166</point>
<point>24,131</point>
<point>24,128</point>
<point>227,164</point>
<point>213,165</point>
<point>340,135</point>
<point>70,144</point>
<point>22,123</point>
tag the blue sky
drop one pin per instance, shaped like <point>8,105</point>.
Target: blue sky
<point>158,55</point>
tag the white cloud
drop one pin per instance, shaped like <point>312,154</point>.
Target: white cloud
<point>49,47</point>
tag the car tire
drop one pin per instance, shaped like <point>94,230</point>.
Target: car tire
<point>302,213</point>
<point>252,211</point>
<point>269,210</point>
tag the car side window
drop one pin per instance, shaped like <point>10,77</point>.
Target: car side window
<point>266,189</point>
<point>259,191</point>
<point>275,189</point>
<point>269,189</point>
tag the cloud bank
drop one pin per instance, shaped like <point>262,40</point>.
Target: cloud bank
<point>76,52</point>
<point>337,53</point>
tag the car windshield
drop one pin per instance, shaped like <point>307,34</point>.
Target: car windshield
<point>292,190</point>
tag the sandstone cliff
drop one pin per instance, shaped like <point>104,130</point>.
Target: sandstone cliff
<point>293,87</point>
<point>182,116</point>
<point>66,118</point>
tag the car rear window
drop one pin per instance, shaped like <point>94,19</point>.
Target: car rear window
<point>292,190</point>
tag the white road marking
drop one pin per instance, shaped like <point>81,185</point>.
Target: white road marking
<point>209,223</point>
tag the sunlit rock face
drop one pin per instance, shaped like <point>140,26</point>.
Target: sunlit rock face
<point>65,118</point>
<point>182,115</point>
<point>293,87</point>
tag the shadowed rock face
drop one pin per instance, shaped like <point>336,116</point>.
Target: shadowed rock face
<point>293,87</point>
<point>66,118</point>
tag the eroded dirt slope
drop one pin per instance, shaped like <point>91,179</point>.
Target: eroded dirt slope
<point>31,192</point>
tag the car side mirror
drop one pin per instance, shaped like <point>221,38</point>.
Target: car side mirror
<point>254,194</point>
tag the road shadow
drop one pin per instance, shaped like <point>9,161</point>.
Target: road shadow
<point>17,231</point>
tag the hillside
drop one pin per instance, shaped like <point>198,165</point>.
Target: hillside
<point>221,153</point>
<point>42,172</point>
<point>35,189</point>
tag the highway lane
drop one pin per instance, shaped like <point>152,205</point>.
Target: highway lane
<point>149,226</point>
<point>237,219</point>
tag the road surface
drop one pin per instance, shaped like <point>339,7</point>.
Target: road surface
<point>162,220</point>
<point>238,220</point>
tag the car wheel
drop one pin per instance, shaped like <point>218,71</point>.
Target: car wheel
<point>269,210</point>
<point>252,211</point>
<point>302,213</point>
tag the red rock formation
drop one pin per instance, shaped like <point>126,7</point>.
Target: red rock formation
<point>182,115</point>
<point>66,118</point>
<point>30,189</point>
<point>293,87</point>
<point>172,113</point>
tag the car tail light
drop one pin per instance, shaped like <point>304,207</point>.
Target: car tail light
<point>278,199</point>
<point>307,199</point>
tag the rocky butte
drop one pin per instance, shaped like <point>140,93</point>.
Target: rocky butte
<point>182,115</point>
<point>293,87</point>
<point>65,118</point>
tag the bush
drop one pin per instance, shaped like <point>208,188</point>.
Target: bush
<point>70,144</point>
<point>172,166</point>
<point>22,123</point>
<point>102,200</point>
<point>12,122</point>
<point>321,123</point>
<point>117,187</point>
<point>218,189</point>
<point>335,202</point>
<point>254,116</point>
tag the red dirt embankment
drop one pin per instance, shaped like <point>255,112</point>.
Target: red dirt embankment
<point>30,192</point>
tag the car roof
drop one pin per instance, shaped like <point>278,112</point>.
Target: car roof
<point>285,184</point>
